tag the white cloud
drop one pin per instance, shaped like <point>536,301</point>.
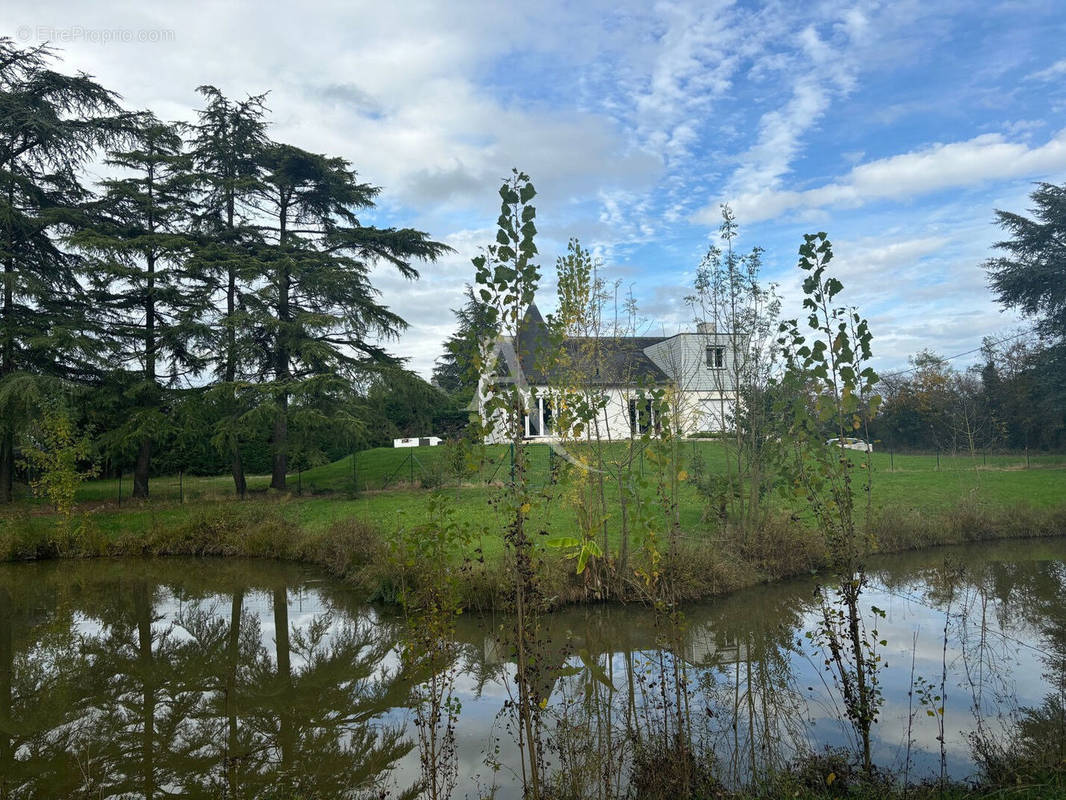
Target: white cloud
<point>821,69</point>
<point>934,168</point>
<point>1056,70</point>
<point>630,116</point>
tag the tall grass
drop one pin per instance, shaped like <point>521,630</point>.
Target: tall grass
<point>355,550</point>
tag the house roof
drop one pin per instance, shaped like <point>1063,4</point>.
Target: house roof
<point>604,360</point>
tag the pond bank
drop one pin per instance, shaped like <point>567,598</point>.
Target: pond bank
<point>699,565</point>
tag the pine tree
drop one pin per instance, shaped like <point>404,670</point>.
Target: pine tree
<point>150,307</point>
<point>50,125</point>
<point>456,370</point>
<point>1031,275</point>
<point>226,145</point>
<point>318,318</point>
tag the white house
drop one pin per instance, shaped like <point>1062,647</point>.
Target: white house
<point>694,369</point>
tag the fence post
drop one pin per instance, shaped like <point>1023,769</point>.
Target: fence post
<point>1027,456</point>
<point>891,461</point>
<point>938,459</point>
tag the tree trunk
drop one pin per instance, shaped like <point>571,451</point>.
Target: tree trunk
<point>239,482</point>
<point>140,469</point>
<point>236,465</point>
<point>231,332</point>
<point>7,465</point>
<point>281,432</point>
<point>281,365</point>
<point>281,641</point>
<point>144,453</point>
<point>7,366</point>
<point>231,294</point>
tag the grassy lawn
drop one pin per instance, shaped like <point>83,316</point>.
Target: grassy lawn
<point>901,483</point>
<point>387,468</point>
<point>348,533</point>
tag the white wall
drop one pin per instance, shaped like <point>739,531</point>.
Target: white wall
<point>684,360</point>
<point>694,411</point>
<point>700,400</point>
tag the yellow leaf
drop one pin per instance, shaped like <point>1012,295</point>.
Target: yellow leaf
<point>682,475</point>
<point>832,776</point>
<point>544,703</point>
<point>525,508</point>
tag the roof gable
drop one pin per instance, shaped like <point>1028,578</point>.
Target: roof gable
<point>602,360</point>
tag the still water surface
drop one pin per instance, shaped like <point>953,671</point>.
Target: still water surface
<point>211,678</point>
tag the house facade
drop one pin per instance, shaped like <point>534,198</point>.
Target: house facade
<point>694,372</point>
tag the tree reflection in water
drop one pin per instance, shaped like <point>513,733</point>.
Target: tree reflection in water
<point>140,679</point>
<point>240,680</point>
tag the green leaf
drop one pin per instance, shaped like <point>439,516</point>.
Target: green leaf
<point>582,560</point>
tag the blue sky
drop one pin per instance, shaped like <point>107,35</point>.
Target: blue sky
<point>898,127</point>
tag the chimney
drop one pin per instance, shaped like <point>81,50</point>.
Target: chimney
<point>705,327</point>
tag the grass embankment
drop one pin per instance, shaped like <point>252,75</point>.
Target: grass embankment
<point>914,504</point>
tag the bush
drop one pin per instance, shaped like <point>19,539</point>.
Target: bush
<point>671,770</point>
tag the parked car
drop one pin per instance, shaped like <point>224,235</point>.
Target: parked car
<point>851,443</point>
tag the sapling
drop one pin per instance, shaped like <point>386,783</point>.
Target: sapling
<point>832,392</point>
<point>506,281</point>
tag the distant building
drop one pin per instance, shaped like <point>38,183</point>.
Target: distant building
<point>417,441</point>
<point>695,368</point>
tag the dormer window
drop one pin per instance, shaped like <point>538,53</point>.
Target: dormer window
<point>715,357</point>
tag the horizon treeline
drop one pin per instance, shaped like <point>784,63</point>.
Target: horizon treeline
<point>1013,399</point>
<point>205,305</point>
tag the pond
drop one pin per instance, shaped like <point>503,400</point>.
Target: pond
<point>212,678</point>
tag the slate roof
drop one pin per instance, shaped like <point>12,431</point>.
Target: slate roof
<point>607,361</point>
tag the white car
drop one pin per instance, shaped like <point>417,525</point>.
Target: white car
<point>850,443</point>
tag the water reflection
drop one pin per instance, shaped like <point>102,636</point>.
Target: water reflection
<point>150,679</point>
<point>255,679</point>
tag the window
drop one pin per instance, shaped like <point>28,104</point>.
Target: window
<point>640,416</point>
<point>538,419</point>
<point>715,357</point>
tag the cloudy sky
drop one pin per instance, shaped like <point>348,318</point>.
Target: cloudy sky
<point>895,126</point>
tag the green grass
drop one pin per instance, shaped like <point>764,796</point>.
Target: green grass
<point>901,483</point>
<point>900,477</point>
<point>914,503</point>
<point>376,470</point>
